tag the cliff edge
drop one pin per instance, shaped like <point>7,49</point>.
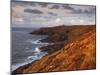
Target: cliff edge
<point>78,53</point>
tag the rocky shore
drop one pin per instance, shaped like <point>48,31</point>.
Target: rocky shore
<point>74,48</point>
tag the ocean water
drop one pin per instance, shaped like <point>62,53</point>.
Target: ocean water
<point>25,47</point>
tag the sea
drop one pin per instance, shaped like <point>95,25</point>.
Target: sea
<point>25,47</point>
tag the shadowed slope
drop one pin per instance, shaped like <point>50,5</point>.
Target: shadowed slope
<point>77,54</point>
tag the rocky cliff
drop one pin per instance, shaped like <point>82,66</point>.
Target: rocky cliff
<point>77,53</point>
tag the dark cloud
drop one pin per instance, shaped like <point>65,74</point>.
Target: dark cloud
<point>53,14</point>
<point>67,7</point>
<point>35,11</point>
<point>86,11</point>
<point>55,7</point>
<point>31,3</point>
<point>89,11</point>
<point>22,3</point>
<point>77,11</point>
<point>43,4</point>
<point>93,10</point>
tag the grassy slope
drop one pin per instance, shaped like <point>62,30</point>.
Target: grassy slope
<point>78,53</point>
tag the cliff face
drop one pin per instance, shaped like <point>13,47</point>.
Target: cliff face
<point>77,54</point>
<point>63,33</point>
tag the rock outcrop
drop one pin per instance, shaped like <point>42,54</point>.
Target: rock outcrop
<point>77,53</point>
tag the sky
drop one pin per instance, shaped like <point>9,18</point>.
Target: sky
<point>39,14</point>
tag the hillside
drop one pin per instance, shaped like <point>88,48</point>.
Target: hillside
<point>76,53</point>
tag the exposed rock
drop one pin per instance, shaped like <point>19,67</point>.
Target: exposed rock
<point>77,53</point>
<point>63,33</point>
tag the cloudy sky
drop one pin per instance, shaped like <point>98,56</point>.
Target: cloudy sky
<point>35,14</point>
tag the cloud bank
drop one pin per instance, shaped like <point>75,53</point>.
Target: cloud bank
<point>36,14</point>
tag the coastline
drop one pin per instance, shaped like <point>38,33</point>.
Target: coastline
<point>38,54</point>
<point>62,37</point>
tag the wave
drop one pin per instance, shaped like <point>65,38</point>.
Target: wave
<point>38,42</point>
<point>37,55</point>
<point>37,50</point>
